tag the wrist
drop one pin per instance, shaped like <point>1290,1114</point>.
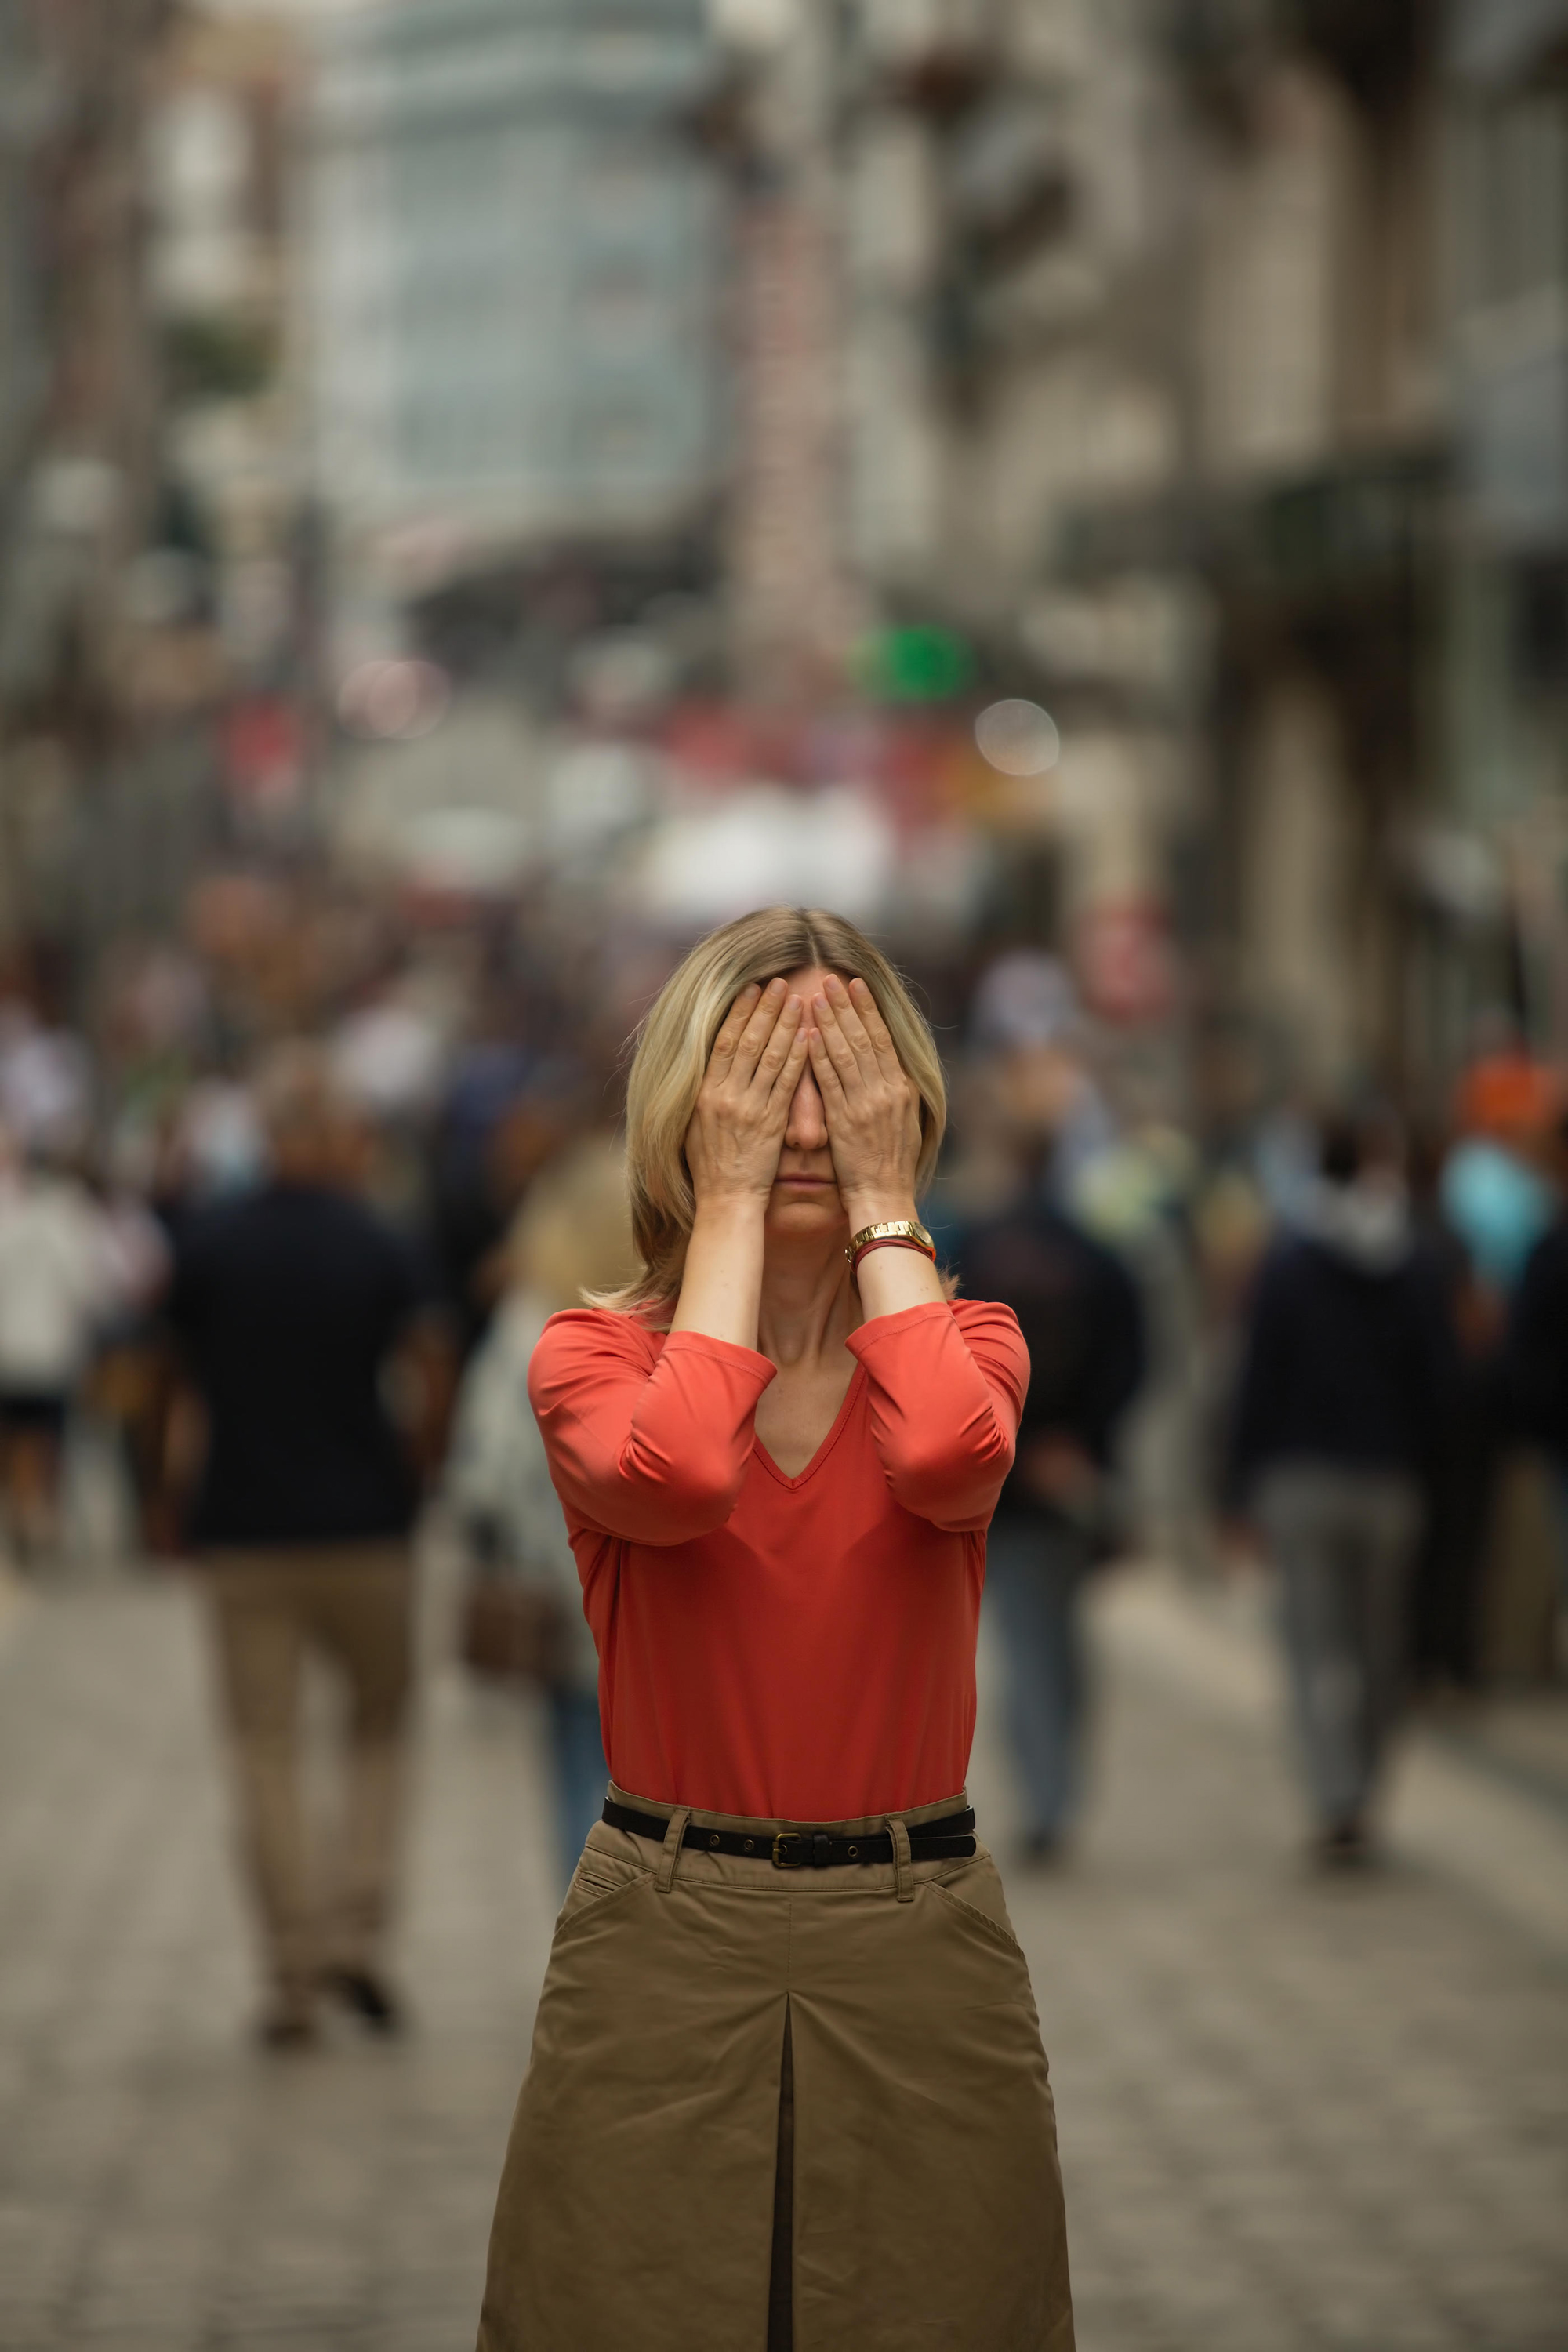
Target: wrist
<point>728,1211</point>
<point>884,1207</point>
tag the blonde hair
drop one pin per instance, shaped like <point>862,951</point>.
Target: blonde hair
<point>675,1039</point>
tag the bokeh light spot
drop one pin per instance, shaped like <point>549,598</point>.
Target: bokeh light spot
<point>1018,737</point>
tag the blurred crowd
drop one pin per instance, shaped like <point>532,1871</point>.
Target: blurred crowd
<point>1331,1335</point>
<point>472,1072</point>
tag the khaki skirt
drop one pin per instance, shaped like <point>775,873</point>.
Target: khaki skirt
<point>770,2108</point>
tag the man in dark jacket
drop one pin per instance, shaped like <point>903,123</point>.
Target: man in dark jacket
<point>1340,1411</point>
<point>1081,1322</point>
<point>290,1306</point>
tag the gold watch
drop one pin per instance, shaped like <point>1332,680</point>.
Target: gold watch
<point>897,1229</point>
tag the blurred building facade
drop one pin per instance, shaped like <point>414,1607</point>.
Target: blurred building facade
<point>1003,206</point>
<point>1506,650</point>
<point>511,332</point>
<point>789,581</point>
<point>1316,512</point>
<point>222,276</point>
<point>945,201</point>
<point>1203,367</point>
<point>80,415</point>
<point>1198,371</point>
<point>1375,504</point>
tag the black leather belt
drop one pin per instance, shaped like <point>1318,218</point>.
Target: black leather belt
<point>948,1839</point>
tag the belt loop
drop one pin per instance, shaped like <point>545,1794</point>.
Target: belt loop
<point>664,1876</point>
<point>903,1863</point>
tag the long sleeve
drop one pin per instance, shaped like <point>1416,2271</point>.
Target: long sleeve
<point>645,1445</point>
<point>1257,1410</point>
<point>947,1387</point>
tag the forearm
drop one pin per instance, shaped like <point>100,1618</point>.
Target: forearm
<point>721,1287</point>
<point>941,1424</point>
<point>889,1280</point>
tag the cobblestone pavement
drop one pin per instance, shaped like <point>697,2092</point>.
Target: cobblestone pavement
<point>1293,2114</point>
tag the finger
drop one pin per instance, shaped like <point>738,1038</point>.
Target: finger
<point>733,1027</point>
<point>776,1051</point>
<point>758,1030</point>
<point>825,1070</point>
<point>851,1024</point>
<point>839,1049</point>
<point>793,1062</point>
<point>876,1029</point>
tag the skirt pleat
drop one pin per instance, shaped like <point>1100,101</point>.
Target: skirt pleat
<point>704,2043</point>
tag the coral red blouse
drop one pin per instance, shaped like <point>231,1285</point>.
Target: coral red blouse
<point>797,1648</point>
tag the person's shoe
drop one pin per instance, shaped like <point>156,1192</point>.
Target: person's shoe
<point>1042,1850</point>
<point>289,2024</point>
<point>368,1997</point>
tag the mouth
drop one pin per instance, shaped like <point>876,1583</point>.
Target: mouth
<point>808,1183</point>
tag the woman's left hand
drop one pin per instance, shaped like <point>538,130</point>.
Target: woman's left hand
<point>872,1110</point>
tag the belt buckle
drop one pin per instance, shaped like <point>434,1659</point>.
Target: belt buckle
<point>794,1858</point>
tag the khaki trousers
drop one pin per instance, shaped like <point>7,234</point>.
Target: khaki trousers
<point>350,1603</point>
<point>655,2179</point>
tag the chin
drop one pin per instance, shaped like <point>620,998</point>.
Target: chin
<point>804,1215</point>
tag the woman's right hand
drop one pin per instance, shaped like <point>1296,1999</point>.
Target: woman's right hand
<point>736,1134</point>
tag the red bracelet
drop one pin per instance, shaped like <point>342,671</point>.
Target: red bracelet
<point>891,1241</point>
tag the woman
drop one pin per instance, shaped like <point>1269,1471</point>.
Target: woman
<point>787,2084</point>
<point>573,1233</point>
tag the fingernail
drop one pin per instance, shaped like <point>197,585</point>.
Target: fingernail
<point>794,1004</point>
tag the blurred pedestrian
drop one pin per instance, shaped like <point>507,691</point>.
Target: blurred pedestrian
<point>1494,1193</point>
<point>1025,1005</point>
<point>293,1304</point>
<point>1445,1611</point>
<point>1342,1400</point>
<point>129,1386</point>
<point>58,1281</point>
<point>1498,1196</point>
<point>1536,1354</point>
<point>778,1451</point>
<point>571,1239</point>
<point>487,1156</point>
<point>1080,1313</point>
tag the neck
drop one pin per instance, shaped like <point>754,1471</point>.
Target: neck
<point>807,1307</point>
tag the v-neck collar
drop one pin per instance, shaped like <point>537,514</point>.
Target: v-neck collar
<point>828,1444</point>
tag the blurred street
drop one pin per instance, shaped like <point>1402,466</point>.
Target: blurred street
<point>1058,513</point>
<point>1295,2111</point>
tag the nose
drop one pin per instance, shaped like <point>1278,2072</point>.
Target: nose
<point>807,1127</point>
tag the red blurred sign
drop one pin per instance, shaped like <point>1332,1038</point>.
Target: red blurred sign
<point>1126,964</point>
